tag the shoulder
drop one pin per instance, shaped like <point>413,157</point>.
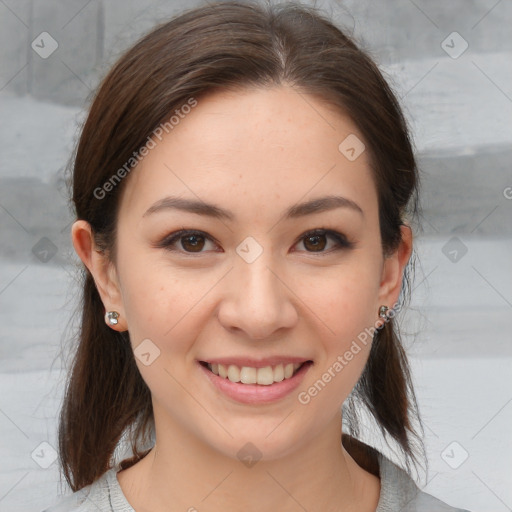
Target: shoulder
<point>103,495</point>
<point>400,492</point>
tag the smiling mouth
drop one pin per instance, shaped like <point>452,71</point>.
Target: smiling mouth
<point>265,376</point>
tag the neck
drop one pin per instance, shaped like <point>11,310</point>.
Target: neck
<point>191,476</point>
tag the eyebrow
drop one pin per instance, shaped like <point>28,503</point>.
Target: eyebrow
<point>313,206</point>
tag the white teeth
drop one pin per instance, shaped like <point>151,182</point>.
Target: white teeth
<point>279,373</point>
<point>233,373</point>
<point>248,375</point>
<point>223,372</point>
<point>265,376</point>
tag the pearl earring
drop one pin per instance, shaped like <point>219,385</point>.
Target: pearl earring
<point>111,317</point>
<point>383,312</point>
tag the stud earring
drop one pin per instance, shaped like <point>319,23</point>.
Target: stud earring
<point>111,317</point>
<point>383,312</point>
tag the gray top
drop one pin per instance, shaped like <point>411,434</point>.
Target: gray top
<point>399,493</point>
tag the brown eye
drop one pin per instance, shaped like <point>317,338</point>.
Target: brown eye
<point>324,241</point>
<point>187,242</point>
<point>315,242</point>
<point>192,243</point>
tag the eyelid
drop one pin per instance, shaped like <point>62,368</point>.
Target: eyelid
<point>173,237</point>
<point>341,240</point>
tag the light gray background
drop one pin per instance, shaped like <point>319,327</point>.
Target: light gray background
<point>457,331</point>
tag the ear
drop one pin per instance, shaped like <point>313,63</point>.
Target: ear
<point>102,269</point>
<point>393,269</point>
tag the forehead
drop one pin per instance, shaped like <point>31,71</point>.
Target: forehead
<point>258,149</point>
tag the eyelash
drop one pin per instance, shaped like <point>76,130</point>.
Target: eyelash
<point>340,239</point>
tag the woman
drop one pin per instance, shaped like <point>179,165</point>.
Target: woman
<point>242,187</point>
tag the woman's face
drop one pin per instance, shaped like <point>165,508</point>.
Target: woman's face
<point>284,267</point>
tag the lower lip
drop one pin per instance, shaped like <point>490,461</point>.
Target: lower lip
<point>256,393</point>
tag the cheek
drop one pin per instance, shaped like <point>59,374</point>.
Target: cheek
<point>163,308</point>
<point>351,318</point>
<point>345,298</point>
<point>343,353</point>
<point>153,297</point>
<point>165,304</point>
<point>345,305</point>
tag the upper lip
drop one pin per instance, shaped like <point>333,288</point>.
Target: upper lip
<point>255,363</point>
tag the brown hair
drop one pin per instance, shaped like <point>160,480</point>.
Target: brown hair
<point>223,45</point>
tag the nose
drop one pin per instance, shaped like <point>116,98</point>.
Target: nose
<point>257,300</point>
